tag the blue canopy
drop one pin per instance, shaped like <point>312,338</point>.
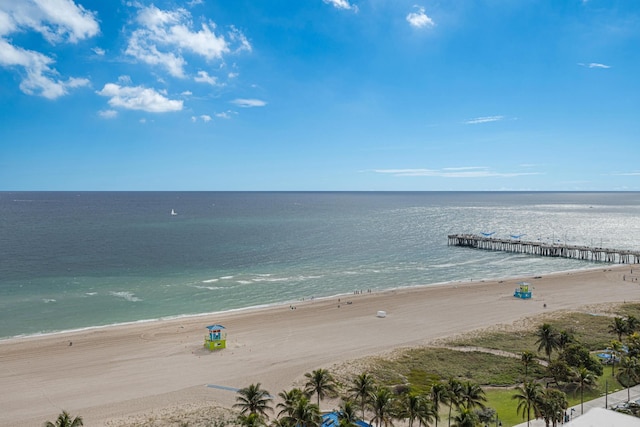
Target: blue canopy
<point>215,327</point>
<point>332,420</point>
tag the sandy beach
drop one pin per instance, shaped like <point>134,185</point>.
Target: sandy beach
<point>132,370</point>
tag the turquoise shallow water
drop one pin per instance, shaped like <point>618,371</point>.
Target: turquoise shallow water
<point>76,260</point>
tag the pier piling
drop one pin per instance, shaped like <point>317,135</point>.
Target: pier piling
<point>586,253</point>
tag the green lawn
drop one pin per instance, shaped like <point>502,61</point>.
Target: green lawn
<point>502,400</point>
<point>504,404</point>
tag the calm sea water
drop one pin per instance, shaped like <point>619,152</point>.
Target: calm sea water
<point>76,260</point>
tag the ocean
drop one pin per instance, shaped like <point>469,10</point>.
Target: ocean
<point>74,260</point>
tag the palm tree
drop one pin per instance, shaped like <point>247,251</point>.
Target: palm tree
<point>280,422</point>
<point>618,327</point>
<point>321,383</point>
<point>65,420</point>
<point>465,418</point>
<point>427,412</point>
<point>382,401</point>
<point>547,339</point>
<point>527,358</point>
<point>254,400</point>
<point>289,399</point>
<point>250,420</point>
<point>631,323</point>
<point>472,396</point>
<point>454,391</point>
<point>347,414</point>
<point>438,396</point>
<point>361,388</point>
<point>583,377</point>
<point>551,405</point>
<point>630,368</point>
<point>414,407</point>
<point>527,396</point>
<point>564,338</point>
<point>633,345</point>
<point>304,414</point>
<point>616,348</point>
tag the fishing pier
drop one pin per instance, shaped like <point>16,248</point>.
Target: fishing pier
<point>586,253</point>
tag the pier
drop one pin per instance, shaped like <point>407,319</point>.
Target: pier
<point>586,253</point>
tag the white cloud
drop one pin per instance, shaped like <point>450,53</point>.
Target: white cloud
<point>125,80</point>
<point>225,114</point>
<point>486,119</point>
<point>140,49</point>
<point>634,173</point>
<point>108,114</point>
<point>7,24</point>
<point>98,51</point>
<point>342,4</point>
<point>594,65</point>
<point>420,19</point>
<point>248,103</point>
<point>204,77</point>
<point>164,35</point>
<point>139,98</point>
<point>58,21</point>
<point>40,78</point>
<point>459,172</point>
<point>240,39</point>
<point>187,93</point>
<point>204,117</point>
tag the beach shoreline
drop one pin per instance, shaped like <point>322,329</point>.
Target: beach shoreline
<point>119,371</point>
<point>186,317</point>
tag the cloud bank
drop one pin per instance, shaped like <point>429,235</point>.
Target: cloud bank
<point>58,21</point>
<point>139,98</point>
<point>487,119</point>
<point>165,36</point>
<point>457,172</point>
<point>248,103</point>
<point>342,4</point>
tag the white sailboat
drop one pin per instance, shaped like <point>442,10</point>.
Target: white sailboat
<point>173,212</point>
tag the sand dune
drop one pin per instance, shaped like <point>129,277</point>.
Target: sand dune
<point>130,370</point>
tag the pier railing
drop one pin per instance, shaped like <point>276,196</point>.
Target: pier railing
<point>586,253</point>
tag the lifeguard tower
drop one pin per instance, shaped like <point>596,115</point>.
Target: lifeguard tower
<point>216,339</point>
<point>523,291</point>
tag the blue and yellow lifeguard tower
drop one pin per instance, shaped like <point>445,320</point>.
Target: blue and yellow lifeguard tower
<point>216,339</point>
<point>523,291</point>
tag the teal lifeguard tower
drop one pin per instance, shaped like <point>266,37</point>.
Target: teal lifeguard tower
<point>216,339</point>
<point>523,291</point>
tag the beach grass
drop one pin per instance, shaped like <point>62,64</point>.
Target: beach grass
<point>590,329</point>
<point>510,341</point>
<point>629,309</point>
<point>421,367</point>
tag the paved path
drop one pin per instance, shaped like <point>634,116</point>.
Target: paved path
<point>611,400</point>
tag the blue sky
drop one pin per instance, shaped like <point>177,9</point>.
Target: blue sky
<point>320,95</point>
